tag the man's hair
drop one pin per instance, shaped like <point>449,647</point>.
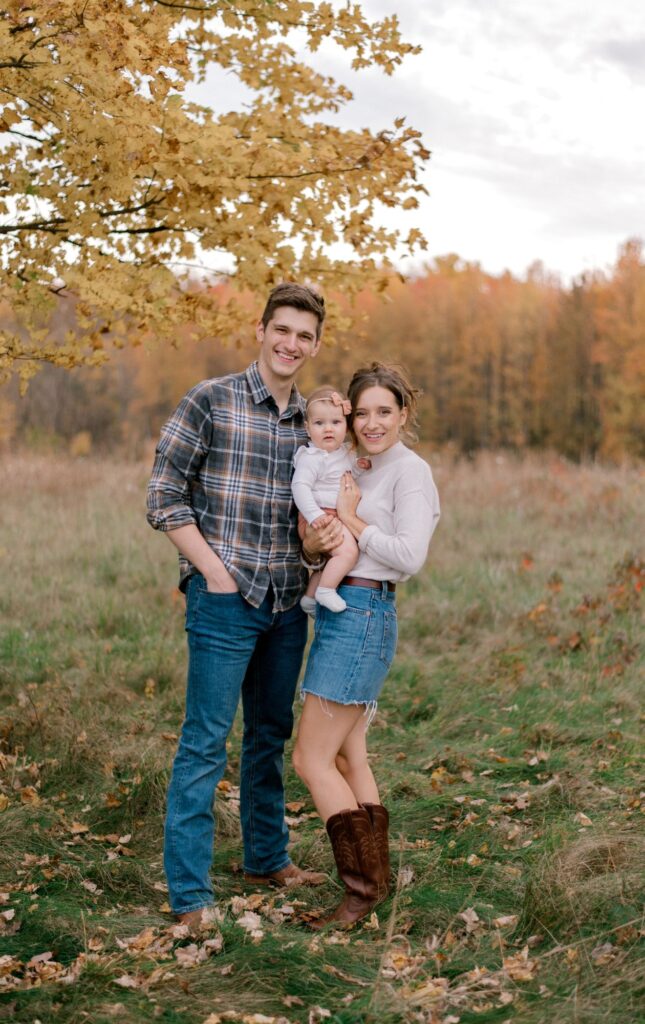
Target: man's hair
<point>395,379</point>
<point>299,296</point>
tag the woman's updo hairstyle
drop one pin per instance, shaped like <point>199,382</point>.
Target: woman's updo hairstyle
<point>394,379</point>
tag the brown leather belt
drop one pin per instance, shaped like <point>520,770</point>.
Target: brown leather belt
<point>358,581</point>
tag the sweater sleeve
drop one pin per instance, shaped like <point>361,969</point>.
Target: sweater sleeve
<point>305,474</point>
<point>416,514</point>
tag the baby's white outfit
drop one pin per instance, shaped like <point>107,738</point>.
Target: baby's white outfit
<point>316,478</point>
<point>316,481</point>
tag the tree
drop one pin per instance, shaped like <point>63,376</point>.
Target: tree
<point>113,181</point>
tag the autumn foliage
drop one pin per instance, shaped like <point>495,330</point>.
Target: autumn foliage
<point>503,362</point>
<point>115,184</point>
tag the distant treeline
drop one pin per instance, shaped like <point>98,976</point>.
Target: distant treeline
<point>502,361</point>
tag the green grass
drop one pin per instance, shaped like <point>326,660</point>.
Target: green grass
<point>506,743</point>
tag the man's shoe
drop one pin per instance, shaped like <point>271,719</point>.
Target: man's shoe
<point>287,877</point>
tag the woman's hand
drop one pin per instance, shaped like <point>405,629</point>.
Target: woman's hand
<point>349,496</point>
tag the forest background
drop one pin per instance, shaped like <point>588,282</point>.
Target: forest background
<point>522,363</point>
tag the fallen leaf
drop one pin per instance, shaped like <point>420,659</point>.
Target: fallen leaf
<point>406,876</point>
<point>190,956</point>
<point>251,922</point>
<point>471,917</point>
<point>290,1001</point>
<point>519,967</point>
<point>77,828</point>
<point>29,795</point>
<point>295,805</point>
<point>92,887</point>
<point>431,991</point>
<point>582,819</point>
<point>508,921</point>
<point>127,981</point>
<point>603,954</point>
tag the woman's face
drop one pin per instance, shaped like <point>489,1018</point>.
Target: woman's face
<point>377,419</point>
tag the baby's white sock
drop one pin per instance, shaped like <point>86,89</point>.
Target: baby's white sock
<point>328,597</point>
<point>308,605</point>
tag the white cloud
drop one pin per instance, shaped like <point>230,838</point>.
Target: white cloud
<point>533,113</point>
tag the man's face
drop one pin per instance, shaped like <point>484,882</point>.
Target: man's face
<point>287,342</point>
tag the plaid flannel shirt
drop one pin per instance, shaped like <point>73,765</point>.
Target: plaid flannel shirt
<point>224,462</point>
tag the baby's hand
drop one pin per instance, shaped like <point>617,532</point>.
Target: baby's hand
<point>320,522</point>
<point>364,463</point>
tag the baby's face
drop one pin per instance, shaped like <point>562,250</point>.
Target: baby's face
<point>326,425</point>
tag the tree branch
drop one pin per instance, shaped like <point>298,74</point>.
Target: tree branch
<point>34,225</point>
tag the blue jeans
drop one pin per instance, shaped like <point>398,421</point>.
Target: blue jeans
<point>233,648</point>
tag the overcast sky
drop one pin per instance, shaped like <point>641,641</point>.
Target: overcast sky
<point>535,114</point>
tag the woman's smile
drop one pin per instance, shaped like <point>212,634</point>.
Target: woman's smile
<point>378,419</point>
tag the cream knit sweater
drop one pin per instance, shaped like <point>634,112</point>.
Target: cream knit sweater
<point>400,503</point>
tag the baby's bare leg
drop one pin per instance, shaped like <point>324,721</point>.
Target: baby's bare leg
<point>341,562</point>
<point>314,583</point>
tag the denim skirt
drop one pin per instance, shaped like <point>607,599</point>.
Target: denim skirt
<point>352,650</point>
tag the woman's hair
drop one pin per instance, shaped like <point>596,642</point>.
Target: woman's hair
<point>395,380</point>
<point>322,394</point>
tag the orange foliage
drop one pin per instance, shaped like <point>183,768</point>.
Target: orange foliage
<point>502,361</point>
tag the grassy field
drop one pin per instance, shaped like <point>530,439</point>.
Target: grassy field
<point>506,744</point>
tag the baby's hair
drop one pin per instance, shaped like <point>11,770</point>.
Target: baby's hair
<point>322,394</point>
<point>395,380</point>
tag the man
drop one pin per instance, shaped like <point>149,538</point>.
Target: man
<point>220,488</point>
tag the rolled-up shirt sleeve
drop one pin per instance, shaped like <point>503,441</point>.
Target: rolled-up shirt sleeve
<point>184,443</point>
<point>416,514</point>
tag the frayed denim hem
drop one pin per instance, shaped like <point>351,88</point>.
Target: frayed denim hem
<point>371,706</point>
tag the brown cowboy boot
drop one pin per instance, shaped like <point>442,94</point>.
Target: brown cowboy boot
<point>359,867</point>
<point>380,822</point>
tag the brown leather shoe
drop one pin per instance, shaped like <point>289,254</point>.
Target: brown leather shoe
<point>360,867</point>
<point>287,877</point>
<point>380,823</point>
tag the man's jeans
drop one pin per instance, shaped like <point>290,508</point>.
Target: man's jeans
<point>232,648</point>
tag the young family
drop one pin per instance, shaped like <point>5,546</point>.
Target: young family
<point>223,491</point>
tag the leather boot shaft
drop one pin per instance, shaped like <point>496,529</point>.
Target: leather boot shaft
<point>380,823</point>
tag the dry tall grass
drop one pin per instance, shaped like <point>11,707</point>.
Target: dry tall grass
<point>507,744</point>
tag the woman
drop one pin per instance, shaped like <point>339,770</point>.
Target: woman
<point>392,517</point>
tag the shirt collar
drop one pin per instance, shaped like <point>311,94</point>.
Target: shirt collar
<point>260,392</point>
<point>257,387</point>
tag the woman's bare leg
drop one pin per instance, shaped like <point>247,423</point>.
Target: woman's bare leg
<point>324,728</point>
<point>353,765</point>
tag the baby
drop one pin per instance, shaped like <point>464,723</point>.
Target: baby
<point>319,468</point>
